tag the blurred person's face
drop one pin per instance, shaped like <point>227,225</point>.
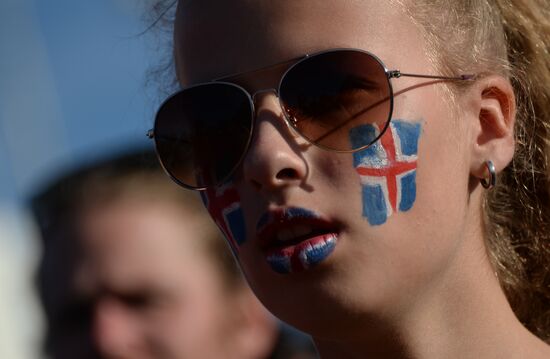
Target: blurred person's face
<point>155,293</point>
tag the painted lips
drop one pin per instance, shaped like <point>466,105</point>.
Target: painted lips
<point>295,239</point>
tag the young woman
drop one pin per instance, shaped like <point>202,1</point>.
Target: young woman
<point>379,167</point>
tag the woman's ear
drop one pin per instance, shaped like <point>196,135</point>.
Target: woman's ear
<point>493,129</point>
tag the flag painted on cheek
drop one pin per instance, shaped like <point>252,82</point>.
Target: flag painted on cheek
<point>387,168</point>
<point>224,205</point>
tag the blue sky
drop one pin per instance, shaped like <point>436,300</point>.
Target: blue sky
<point>73,86</point>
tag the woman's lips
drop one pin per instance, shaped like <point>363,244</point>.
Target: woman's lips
<point>296,258</point>
<point>295,239</point>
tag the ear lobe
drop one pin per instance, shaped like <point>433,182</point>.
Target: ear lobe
<point>494,128</point>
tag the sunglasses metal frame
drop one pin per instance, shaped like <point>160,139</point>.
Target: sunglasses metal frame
<point>291,64</point>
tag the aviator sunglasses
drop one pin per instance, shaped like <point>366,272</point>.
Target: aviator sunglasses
<point>202,132</point>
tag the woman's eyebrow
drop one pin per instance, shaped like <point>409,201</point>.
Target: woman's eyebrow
<point>237,75</point>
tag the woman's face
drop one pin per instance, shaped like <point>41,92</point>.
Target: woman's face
<point>327,238</point>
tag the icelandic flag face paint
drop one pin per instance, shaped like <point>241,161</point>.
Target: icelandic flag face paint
<point>387,168</point>
<point>224,205</point>
<point>295,239</point>
<point>288,214</point>
<point>302,256</point>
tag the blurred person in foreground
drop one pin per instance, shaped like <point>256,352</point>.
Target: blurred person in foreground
<point>134,268</point>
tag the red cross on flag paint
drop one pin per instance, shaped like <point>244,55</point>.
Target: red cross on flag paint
<point>387,168</point>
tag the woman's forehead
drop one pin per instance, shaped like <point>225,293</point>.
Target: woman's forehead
<point>214,38</point>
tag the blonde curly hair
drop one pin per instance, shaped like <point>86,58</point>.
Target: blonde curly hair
<point>510,38</point>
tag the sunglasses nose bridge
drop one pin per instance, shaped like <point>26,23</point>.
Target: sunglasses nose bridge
<point>276,93</point>
<point>264,91</point>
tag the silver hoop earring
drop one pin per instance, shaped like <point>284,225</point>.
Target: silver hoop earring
<point>492,181</point>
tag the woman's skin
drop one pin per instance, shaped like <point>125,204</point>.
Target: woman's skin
<point>419,285</point>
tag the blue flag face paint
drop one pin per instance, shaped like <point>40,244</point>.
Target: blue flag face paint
<point>224,205</point>
<point>387,168</point>
<point>289,257</point>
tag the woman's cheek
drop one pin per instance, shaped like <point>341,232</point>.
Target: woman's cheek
<point>387,168</point>
<point>224,205</point>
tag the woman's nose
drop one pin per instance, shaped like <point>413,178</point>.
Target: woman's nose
<point>275,157</point>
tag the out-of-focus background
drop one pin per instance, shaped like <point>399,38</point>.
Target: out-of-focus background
<point>74,87</point>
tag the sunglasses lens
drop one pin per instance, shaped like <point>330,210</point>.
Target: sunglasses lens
<point>201,133</point>
<point>327,95</point>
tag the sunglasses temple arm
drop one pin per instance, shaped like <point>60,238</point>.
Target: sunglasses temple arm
<point>397,74</point>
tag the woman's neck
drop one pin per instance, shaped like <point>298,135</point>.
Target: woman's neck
<point>464,314</point>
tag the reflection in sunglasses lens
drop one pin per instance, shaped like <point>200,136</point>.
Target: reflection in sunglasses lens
<point>327,95</point>
<point>201,133</point>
